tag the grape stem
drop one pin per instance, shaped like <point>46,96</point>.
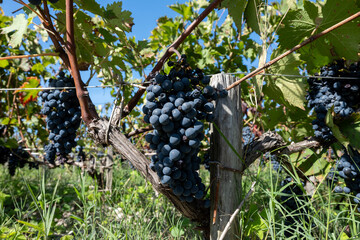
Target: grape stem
<point>133,101</point>
<point>88,112</point>
<point>297,47</point>
<point>139,131</point>
<point>29,56</point>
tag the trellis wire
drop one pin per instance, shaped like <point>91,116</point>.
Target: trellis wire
<point>140,86</point>
<point>63,88</point>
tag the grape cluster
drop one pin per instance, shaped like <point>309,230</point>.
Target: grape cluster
<point>276,165</point>
<point>15,158</point>
<point>348,168</point>
<point>176,105</point>
<point>63,118</point>
<point>293,199</point>
<point>342,94</point>
<point>38,2</point>
<point>247,135</point>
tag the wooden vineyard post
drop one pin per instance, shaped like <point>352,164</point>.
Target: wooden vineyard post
<point>226,149</point>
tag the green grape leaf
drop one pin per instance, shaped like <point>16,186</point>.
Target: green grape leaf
<point>314,18</point>
<point>91,6</point>
<point>9,143</point>
<point>297,25</point>
<point>335,129</point>
<point>293,89</point>
<point>117,17</point>
<point>16,30</point>
<point>345,39</point>
<point>315,164</point>
<point>4,63</point>
<point>236,9</point>
<point>350,128</point>
<point>38,68</point>
<point>251,15</point>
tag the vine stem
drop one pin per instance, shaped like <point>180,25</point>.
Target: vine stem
<point>169,51</point>
<point>87,113</point>
<point>302,44</point>
<point>29,56</point>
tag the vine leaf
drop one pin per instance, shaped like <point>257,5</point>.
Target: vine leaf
<point>297,25</point>
<point>119,18</point>
<point>251,15</point>
<point>236,9</point>
<point>91,6</point>
<point>351,130</point>
<point>17,29</point>
<point>30,95</point>
<point>312,19</point>
<point>335,129</point>
<point>345,40</point>
<point>293,89</point>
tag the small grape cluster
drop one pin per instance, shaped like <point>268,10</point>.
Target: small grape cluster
<point>38,2</point>
<point>247,135</point>
<point>293,199</point>
<point>348,168</point>
<point>325,93</point>
<point>275,163</point>
<point>15,158</point>
<point>63,118</point>
<point>176,105</point>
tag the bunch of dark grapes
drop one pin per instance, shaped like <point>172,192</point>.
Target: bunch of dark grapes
<point>63,118</point>
<point>4,153</point>
<point>247,135</point>
<point>15,158</point>
<point>348,168</point>
<point>275,163</point>
<point>342,94</point>
<point>293,199</point>
<point>176,105</point>
<point>38,2</point>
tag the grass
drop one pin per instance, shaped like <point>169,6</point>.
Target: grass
<point>65,203</point>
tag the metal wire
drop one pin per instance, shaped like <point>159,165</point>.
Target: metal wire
<point>140,86</point>
<point>294,76</point>
<point>62,88</point>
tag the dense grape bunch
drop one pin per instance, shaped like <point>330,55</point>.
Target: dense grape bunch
<point>176,105</point>
<point>348,168</point>
<point>15,158</point>
<point>341,94</point>
<point>63,118</point>
<point>292,199</point>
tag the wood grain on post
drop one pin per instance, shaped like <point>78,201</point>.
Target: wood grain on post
<point>225,184</point>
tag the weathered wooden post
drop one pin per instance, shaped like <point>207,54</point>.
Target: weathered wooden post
<point>225,177</point>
